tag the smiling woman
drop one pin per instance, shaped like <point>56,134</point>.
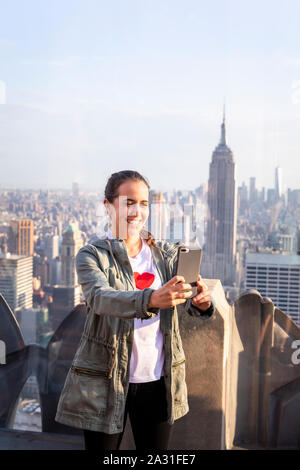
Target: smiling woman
<point>127,202</point>
<point>130,359</point>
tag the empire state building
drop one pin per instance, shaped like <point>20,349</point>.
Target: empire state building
<point>222,211</point>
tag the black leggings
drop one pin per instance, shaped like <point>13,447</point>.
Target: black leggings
<point>147,407</point>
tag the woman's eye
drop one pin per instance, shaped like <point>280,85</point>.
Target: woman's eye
<point>131,204</point>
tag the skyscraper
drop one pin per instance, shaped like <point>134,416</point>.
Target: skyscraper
<point>66,295</point>
<point>71,243</point>
<point>52,246</point>
<point>220,250</point>
<point>278,182</point>
<point>21,237</point>
<point>16,280</point>
<point>252,189</point>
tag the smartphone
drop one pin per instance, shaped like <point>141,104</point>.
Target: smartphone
<point>188,265</point>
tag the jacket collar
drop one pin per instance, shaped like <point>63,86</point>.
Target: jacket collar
<point>163,253</point>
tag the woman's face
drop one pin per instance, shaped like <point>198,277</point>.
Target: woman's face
<point>130,210</point>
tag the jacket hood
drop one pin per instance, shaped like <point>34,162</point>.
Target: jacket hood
<point>114,244</point>
<point>111,245</point>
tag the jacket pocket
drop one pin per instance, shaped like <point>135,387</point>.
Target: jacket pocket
<point>95,357</point>
<point>85,392</point>
<point>89,372</point>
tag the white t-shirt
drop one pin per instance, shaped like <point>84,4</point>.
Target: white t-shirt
<point>147,358</point>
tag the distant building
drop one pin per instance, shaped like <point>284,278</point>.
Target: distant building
<point>64,300</point>
<point>158,219</point>
<point>278,182</point>
<point>220,253</point>
<point>41,269</point>
<point>54,271</point>
<point>21,237</point>
<point>271,196</point>
<point>262,195</point>
<point>243,192</point>
<point>52,246</point>
<point>16,280</point>
<point>287,242</point>
<point>294,196</point>
<point>276,276</point>
<point>242,197</point>
<point>68,294</point>
<point>252,189</point>
<point>30,321</point>
<point>71,243</point>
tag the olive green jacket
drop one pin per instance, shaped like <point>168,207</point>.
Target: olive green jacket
<point>96,386</point>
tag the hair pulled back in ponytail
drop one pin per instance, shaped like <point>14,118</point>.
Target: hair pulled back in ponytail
<point>111,193</point>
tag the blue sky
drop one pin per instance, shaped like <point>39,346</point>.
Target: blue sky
<point>94,87</point>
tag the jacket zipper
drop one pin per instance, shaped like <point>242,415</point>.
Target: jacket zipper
<point>90,372</point>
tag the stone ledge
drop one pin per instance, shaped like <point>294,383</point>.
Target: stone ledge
<point>13,439</point>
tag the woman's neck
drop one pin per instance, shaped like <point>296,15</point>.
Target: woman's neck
<point>134,245</point>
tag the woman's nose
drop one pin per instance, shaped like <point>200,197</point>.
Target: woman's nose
<point>133,210</point>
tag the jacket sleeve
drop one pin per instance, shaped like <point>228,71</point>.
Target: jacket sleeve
<point>196,312</point>
<point>104,299</point>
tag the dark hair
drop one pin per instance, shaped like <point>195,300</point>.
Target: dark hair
<point>111,193</point>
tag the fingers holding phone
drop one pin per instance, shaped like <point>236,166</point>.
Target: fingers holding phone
<point>202,299</point>
<point>173,292</point>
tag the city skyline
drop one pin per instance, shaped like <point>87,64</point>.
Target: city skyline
<point>142,87</point>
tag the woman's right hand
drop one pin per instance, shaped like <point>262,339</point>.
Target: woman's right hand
<point>170,294</point>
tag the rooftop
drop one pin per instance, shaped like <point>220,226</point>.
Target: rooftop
<point>12,256</point>
<point>273,258</point>
<point>242,374</point>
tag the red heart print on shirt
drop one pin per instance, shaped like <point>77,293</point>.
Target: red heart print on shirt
<point>143,280</point>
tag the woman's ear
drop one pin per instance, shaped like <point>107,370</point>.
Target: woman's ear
<point>106,205</point>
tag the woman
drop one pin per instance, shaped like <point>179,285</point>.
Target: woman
<point>130,358</point>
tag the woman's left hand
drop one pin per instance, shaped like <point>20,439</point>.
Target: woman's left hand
<point>202,299</point>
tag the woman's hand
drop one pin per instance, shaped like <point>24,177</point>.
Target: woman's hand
<point>171,294</point>
<point>202,299</point>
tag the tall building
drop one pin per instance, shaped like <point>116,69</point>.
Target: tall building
<point>243,197</point>
<point>276,276</point>
<point>68,294</point>
<point>51,246</point>
<point>243,193</point>
<point>278,182</point>
<point>64,300</point>
<point>71,243</point>
<point>16,280</point>
<point>271,196</point>
<point>21,237</point>
<point>220,252</point>
<point>252,189</point>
